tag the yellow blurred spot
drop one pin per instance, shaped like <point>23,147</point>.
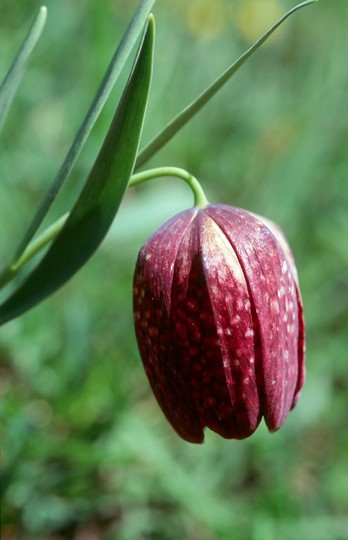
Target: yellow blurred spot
<point>254,17</point>
<point>206,18</point>
<point>276,137</point>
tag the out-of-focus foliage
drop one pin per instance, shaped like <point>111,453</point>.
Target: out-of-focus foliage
<point>86,452</point>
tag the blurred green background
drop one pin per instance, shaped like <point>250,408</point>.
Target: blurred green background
<point>86,453</point>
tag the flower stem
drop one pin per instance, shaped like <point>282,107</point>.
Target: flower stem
<point>198,193</point>
<point>52,232</point>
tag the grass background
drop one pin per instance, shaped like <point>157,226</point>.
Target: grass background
<point>86,453</point>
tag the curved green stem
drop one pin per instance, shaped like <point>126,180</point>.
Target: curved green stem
<point>52,232</point>
<point>40,242</point>
<point>198,193</point>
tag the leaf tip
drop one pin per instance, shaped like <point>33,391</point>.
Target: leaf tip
<point>151,20</point>
<point>43,13</point>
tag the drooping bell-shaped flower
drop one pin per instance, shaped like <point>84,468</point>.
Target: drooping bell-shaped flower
<point>219,322</point>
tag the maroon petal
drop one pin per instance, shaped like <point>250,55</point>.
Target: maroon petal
<point>230,300</point>
<point>278,233</point>
<point>152,304</point>
<point>274,303</point>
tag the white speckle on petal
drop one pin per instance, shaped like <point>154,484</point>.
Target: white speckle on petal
<point>240,304</point>
<point>275,306</point>
<point>281,292</point>
<point>236,319</point>
<point>288,305</point>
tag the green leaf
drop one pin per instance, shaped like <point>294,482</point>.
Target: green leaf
<point>14,76</point>
<point>193,108</point>
<point>97,205</point>
<point>118,61</point>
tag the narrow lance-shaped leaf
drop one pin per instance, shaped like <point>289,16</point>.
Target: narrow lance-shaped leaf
<point>100,198</point>
<point>117,63</point>
<point>15,74</point>
<point>195,106</point>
